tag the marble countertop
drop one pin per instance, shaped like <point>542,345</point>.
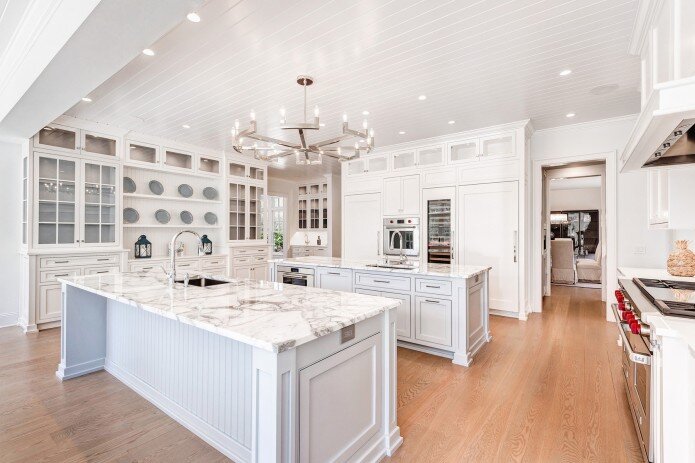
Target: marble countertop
<point>436,270</point>
<point>267,315</point>
<point>656,273</point>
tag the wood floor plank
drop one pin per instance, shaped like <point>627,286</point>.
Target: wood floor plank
<point>549,389</point>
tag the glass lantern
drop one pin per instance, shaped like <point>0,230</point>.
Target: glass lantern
<point>207,245</point>
<point>143,248</point>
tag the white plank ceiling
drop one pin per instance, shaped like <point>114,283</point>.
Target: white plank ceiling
<point>479,63</point>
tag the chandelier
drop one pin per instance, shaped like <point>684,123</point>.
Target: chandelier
<point>273,149</point>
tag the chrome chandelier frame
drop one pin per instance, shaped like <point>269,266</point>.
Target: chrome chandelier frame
<point>274,149</point>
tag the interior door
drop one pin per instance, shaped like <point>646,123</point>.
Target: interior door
<point>362,226</point>
<point>488,218</point>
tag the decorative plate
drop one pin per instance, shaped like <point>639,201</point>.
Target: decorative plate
<point>128,185</point>
<point>162,216</point>
<point>156,187</point>
<point>211,218</point>
<point>186,217</point>
<point>185,190</point>
<point>130,215</point>
<point>210,193</point>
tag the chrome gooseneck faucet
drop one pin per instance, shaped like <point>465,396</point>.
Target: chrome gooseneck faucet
<point>400,241</point>
<point>171,275</point>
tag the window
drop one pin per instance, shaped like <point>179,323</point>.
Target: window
<point>277,223</point>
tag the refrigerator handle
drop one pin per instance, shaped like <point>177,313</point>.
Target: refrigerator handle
<point>452,243</point>
<point>378,239</point>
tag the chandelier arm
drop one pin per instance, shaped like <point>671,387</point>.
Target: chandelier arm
<point>355,133</point>
<point>302,137</point>
<point>331,141</point>
<point>276,141</point>
<point>281,154</point>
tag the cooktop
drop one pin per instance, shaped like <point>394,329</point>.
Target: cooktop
<point>669,296</point>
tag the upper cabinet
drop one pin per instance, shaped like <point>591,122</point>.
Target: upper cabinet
<point>174,159</point>
<point>371,164</point>
<point>495,146</point>
<point>401,195</point>
<point>246,184</point>
<point>312,205</point>
<point>239,170</point>
<point>670,198</point>
<point>431,156</point>
<point>65,139</point>
<point>141,153</point>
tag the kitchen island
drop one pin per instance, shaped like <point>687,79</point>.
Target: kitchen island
<point>444,308</point>
<point>263,372</point>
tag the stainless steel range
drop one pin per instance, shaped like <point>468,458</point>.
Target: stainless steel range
<point>636,363</point>
<point>676,298</point>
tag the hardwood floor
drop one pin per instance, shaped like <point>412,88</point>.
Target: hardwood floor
<point>544,390</point>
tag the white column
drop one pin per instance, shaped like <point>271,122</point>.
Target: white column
<point>392,435</point>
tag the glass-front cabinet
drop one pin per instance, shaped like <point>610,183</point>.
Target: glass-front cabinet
<point>312,206</point>
<point>237,211</point>
<point>56,137</point>
<point>245,211</point>
<point>76,202</point>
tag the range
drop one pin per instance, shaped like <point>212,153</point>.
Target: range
<point>675,298</point>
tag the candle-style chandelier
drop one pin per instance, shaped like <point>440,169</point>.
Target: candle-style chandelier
<point>306,153</point>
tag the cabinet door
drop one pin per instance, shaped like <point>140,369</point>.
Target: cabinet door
<point>242,273</point>
<point>100,191</point>
<point>492,241</point>
<point>403,160</point>
<point>56,201</point>
<point>501,145</point>
<point>58,138</point>
<point>50,303</point>
<point>208,165</point>
<point>99,144</point>
<point>433,320</point>
<point>237,211</point>
<point>393,196</point>
<point>260,272</point>
<point>464,151</point>
<point>377,164</point>
<point>340,402</point>
<point>141,153</point>
<point>403,322</point>
<point>658,197</point>
<point>335,279</point>
<point>302,214</point>
<point>255,212</point>
<point>430,157</point>
<point>410,192</point>
<point>362,226</point>
<point>178,160</point>
<point>356,167</point>
<point>237,170</point>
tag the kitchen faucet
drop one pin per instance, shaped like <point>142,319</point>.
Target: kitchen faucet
<point>171,274</point>
<point>400,236</point>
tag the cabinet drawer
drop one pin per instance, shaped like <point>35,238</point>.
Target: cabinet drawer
<point>77,261</point>
<point>383,281</point>
<point>50,276</point>
<point>259,259</point>
<point>144,266</point>
<point>216,271</point>
<point>242,261</point>
<point>100,270</point>
<point>187,266</point>
<point>212,263</point>
<point>433,286</point>
<point>249,251</point>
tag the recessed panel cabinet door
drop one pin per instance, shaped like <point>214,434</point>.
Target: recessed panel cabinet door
<point>488,217</point>
<point>340,402</point>
<point>362,226</point>
<point>403,321</point>
<point>433,320</point>
<point>335,279</point>
<point>50,303</point>
<point>393,196</point>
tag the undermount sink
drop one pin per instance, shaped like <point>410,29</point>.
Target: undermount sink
<point>205,282</point>
<point>387,265</point>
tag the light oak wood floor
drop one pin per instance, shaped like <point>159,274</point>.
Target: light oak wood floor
<point>545,390</point>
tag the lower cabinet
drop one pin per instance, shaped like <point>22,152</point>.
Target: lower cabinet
<point>257,272</point>
<point>250,262</point>
<point>433,320</point>
<point>405,313</point>
<point>50,308</point>
<point>334,278</point>
<point>340,403</point>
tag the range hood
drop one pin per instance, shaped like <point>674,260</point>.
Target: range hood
<point>678,148</point>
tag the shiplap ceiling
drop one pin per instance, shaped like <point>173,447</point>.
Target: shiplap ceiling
<point>478,62</point>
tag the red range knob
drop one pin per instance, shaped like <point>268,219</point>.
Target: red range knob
<point>628,316</point>
<point>620,297</point>
<point>635,327</point>
<point>621,306</point>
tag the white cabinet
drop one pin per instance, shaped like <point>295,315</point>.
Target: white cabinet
<point>373,164</point>
<point>333,430</point>
<point>402,195</point>
<point>141,153</point>
<point>403,160</point>
<point>246,205</point>
<point>75,202</point>
<point>50,300</point>
<point>488,218</point>
<point>492,146</point>
<point>405,314</point>
<point>658,198</point>
<point>362,226</point>
<point>433,320</point>
<point>250,262</point>
<point>65,139</point>
<point>430,156</point>
<point>176,159</point>
<point>313,205</point>
<point>334,278</point>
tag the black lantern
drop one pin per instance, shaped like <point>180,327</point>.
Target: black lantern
<point>207,245</point>
<point>143,248</point>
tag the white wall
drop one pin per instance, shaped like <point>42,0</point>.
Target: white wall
<point>10,238</point>
<point>573,199</point>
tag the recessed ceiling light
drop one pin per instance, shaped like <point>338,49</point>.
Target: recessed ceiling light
<point>148,52</point>
<point>402,132</point>
<point>365,113</point>
<point>186,126</point>
<point>193,17</point>
<point>86,99</point>
<point>452,122</point>
<point>422,97</point>
<point>570,114</point>
<point>565,72</point>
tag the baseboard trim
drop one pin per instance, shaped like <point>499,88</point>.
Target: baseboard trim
<point>8,319</point>
<point>425,349</point>
<point>221,442</point>
<point>80,369</point>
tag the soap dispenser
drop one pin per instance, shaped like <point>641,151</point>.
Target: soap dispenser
<point>318,241</point>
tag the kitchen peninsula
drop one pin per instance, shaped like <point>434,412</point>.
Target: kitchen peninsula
<point>261,371</point>
<point>444,308</point>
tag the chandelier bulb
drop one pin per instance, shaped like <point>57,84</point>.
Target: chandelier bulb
<point>252,116</point>
<point>357,146</point>
<point>371,132</point>
<point>365,124</point>
<point>316,111</point>
<point>339,151</point>
<point>344,117</point>
<point>236,124</point>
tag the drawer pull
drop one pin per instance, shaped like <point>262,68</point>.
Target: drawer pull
<point>333,273</point>
<point>103,259</point>
<point>102,271</point>
<point>146,268</point>
<point>432,301</point>
<point>62,275</point>
<point>432,286</point>
<point>382,281</point>
<point>62,261</point>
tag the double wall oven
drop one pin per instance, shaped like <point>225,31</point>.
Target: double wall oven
<point>299,276</point>
<point>402,236</point>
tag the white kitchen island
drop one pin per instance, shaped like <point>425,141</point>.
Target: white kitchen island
<point>264,372</point>
<point>444,308</point>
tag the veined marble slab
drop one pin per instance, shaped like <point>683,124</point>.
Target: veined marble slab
<point>271,316</point>
<point>435,270</point>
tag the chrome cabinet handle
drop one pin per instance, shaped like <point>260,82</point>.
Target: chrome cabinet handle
<point>382,281</point>
<point>61,275</point>
<point>432,286</point>
<point>432,301</point>
<point>514,243</point>
<point>451,243</point>
<point>333,273</point>
<point>378,243</point>
<point>61,261</point>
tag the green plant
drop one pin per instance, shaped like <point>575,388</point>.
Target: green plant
<point>278,241</point>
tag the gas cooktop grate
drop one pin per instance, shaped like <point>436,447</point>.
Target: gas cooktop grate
<point>670,284</point>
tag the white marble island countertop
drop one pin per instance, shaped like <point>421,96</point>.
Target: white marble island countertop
<point>435,270</point>
<point>271,316</point>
